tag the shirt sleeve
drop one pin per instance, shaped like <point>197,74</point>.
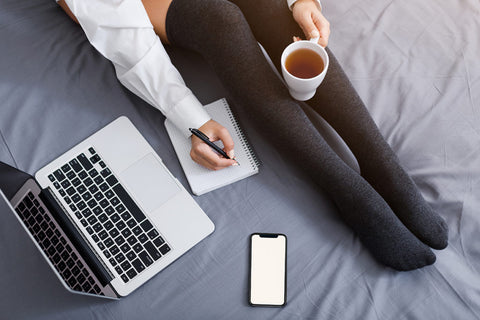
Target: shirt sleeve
<point>291,2</point>
<point>122,32</point>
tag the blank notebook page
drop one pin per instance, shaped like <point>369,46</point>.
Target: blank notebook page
<point>202,180</point>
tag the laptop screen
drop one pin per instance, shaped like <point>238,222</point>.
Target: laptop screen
<point>11,179</point>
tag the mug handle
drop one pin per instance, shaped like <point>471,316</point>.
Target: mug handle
<point>314,40</point>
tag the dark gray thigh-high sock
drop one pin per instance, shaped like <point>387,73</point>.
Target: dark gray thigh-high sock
<point>338,103</point>
<point>219,32</point>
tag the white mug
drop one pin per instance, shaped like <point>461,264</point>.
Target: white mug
<point>299,88</point>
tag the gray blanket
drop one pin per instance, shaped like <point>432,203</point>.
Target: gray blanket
<point>416,66</point>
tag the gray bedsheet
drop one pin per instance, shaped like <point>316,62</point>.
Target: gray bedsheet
<point>416,66</point>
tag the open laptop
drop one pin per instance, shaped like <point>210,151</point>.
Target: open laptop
<point>107,215</point>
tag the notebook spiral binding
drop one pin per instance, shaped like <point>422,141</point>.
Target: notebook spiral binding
<point>252,157</point>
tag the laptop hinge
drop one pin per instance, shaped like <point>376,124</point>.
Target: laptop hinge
<point>76,237</point>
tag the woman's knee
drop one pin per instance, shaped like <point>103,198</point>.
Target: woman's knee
<point>223,12</point>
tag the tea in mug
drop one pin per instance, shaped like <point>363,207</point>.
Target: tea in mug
<point>304,63</point>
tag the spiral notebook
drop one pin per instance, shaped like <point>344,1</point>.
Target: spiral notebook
<point>202,180</point>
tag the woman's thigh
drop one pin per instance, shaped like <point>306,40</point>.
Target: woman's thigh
<point>272,24</point>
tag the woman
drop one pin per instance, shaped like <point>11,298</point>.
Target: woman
<point>383,205</point>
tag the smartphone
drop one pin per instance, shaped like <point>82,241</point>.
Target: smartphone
<point>268,264</point>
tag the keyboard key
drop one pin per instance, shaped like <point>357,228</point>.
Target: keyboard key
<point>103,234</point>
<point>114,201</point>
<point>152,234</point>
<point>97,210</point>
<point>87,213</point>
<point>114,250</point>
<point>98,196</point>
<point>131,273</point>
<point>93,173</point>
<point>82,175</point>
<point>56,185</point>
<point>109,210</point>
<point>76,198</point>
<point>119,240</point>
<point>107,254</point>
<point>76,182</point>
<point>112,262</point>
<point>65,184</point>
<point>105,172</point>
<point>146,225</point>
<point>124,278</point>
<point>92,203</point>
<point>138,265</point>
<point>89,230</point>
<point>108,242</point>
<point>120,225</point>
<point>137,230</point>
<point>59,175</point>
<point>88,182</point>
<point>112,180</point>
<point>143,238</point>
<point>120,257</point>
<point>152,251</point>
<point>70,175</point>
<point>114,233</point>
<point>126,265</point>
<point>129,203</point>
<point>118,269</point>
<point>91,150</point>
<point>66,168</point>
<point>137,247</point>
<point>109,194</point>
<point>51,177</point>
<point>131,240</point>
<point>84,161</point>
<point>97,227</point>
<point>70,191</point>
<point>104,203</point>
<point>131,223</point>
<point>104,187</point>
<point>87,196</point>
<point>67,200</point>
<point>115,217</point>
<point>95,158</point>
<point>92,219</point>
<point>75,165</point>
<point>125,248</point>
<point>101,246</point>
<point>108,225</point>
<point>98,179</point>
<point>102,218</point>
<point>102,164</point>
<point>145,258</point>
<point>164,249</point>
<point>131,255</point>
<point>62,193</point>
<point>81,205</point>
<point>126,232</point>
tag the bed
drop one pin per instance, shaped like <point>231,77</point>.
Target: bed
<point>416,66</point>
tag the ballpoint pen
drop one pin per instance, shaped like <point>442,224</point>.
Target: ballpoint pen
<point>202,136</point>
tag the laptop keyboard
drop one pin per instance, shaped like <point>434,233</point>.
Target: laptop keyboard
<point>109,215</point>
<point>55,244</point>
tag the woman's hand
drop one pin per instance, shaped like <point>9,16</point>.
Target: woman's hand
<point>309,17</point>
<point>202,154</point>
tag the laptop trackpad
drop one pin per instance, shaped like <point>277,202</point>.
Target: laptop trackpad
<point>149,183</point>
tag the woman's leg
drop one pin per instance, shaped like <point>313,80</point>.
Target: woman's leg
<point>338,103</point>
<point>218,31</point>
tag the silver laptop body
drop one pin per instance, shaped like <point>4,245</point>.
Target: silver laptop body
<point>108,215</point>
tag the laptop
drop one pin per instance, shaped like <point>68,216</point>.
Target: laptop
<point>107,215</point>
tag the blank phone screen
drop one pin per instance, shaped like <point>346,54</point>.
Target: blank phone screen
<point>267,271</point>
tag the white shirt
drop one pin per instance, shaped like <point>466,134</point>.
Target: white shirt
<point>122,32</point>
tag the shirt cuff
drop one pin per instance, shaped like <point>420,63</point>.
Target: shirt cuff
<point>188,113</point>
<point>291,2</point>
